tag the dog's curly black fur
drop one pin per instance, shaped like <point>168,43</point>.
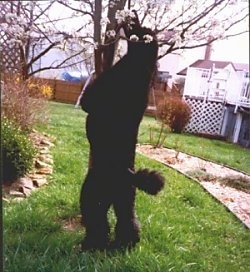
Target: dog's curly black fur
<point>115,103</point>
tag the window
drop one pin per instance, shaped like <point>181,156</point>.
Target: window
<point>204,73</point>
<point>246,90</point>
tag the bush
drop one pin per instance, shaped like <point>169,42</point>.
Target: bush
<point>174,112</point>
<point>17,152</point>
<point>24,102</point>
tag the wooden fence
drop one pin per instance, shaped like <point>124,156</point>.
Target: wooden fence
<point>65,91</point>
<point>68,92</point>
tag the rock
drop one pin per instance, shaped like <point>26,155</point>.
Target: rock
<point>40,164</point>
<point>36,176</point>
<point>45,170</point>
<point>45,158</point>
<point>16,193</point>
<point>226,199</point>
<point>39,182</point>
<point>26,182</point>
<point>6,200</point>
<point>18,199</point>
<point>26,191</point>
<point>44,150</point>
<point>47,143</point>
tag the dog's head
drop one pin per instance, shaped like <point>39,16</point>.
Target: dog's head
<point>142,42</point>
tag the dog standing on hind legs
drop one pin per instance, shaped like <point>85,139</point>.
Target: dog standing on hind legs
<point>115,102</point>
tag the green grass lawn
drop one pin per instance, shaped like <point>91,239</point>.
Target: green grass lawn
<point>183,228</point>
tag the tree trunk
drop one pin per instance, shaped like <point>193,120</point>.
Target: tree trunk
<point>109,51</point>
<point>97,36</point>
<point>104,55</point>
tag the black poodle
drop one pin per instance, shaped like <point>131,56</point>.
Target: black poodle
<point>115,102</point>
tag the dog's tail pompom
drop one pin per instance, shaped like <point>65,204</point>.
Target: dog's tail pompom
<point>148,181</point>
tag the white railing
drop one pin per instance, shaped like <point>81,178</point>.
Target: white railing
<point>216,95</point>
<point>220,96</point>
<point>244,101</point>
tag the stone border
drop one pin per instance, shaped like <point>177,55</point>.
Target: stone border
<point>40,173</point>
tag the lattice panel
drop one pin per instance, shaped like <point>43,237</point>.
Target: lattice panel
<point>10,54</point>
<point>206,116</point>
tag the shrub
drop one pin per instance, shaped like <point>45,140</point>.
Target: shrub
<point>38,88</point>
<point>17,151</point>
<point>174,112</point>
<point>24,102</point>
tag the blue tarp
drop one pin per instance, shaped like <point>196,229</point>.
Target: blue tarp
<point>73,76</point>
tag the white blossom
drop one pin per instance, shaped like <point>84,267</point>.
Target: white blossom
<point>111,33</point>
<point>21,21</point>
<point>4,26</point>
<point>134,38</point>
<point>16,28</point>
<point>147,38</point>
<point>10,17</point>
<point>122,15</point>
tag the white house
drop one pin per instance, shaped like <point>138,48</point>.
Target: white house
<point>219,95</point>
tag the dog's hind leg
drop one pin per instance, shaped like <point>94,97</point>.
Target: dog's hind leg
<point>94,208</point>
<point>127,230</point>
